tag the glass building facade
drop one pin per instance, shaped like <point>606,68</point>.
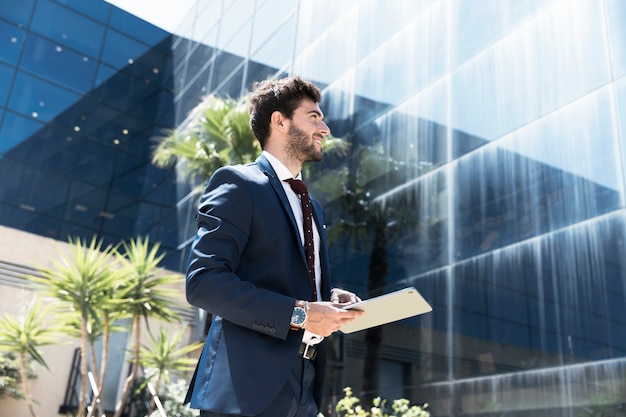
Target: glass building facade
<point>84,87</point>
<point>486,169</point>
<point>487,164</point>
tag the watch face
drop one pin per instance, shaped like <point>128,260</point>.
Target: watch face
<point>298,317</point>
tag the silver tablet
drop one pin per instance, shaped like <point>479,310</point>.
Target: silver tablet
<point>387,308</point>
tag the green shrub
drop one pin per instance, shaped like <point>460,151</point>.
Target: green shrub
<point>349,406</point>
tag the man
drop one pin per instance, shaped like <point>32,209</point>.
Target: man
<point>265,355</point>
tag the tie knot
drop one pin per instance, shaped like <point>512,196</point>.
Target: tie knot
<point>298,186</point>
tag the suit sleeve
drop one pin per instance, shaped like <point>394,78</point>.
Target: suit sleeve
<point>225,222</point>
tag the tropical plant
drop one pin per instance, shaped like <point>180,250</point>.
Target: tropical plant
<point>164,356</point>
<point>146,296</point>
<point>10,376</point>
<point>173,396</point>
<point>24,336</point>
<point>84,282</point>
<point>217,133</point>
<point>349,406</point>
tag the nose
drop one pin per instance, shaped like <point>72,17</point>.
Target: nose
<point>324,129</point>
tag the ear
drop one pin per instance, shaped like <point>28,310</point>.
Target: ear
<point>277,121</point>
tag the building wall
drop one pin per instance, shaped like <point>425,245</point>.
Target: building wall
<point>500,130</point>
<point>19,252</point>
<point>84,90</point>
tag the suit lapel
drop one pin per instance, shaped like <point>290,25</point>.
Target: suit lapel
<point>276,184</point>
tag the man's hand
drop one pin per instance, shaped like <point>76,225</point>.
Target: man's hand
<point>325,318</point>
<point>342,297</point>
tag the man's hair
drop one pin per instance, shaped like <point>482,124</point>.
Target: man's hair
<point>283,95</point>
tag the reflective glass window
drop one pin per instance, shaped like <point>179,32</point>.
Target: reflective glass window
<point>98,10</point>
<point>333,45</point>
<point>6,78</point>
<point>121,51</point>
<point>379,21</point>
<point>85,203</point>
<point>58,64</point>
<point>17,12</point>
<point>41,100</point>
<point>235,27</point>
<point>134,27</point>
<point>69,29</point>
<point>226,66</point>
<point>531,71</point>
<point>268,42</point>
<point>475,26</point>
<point>620,92</point>
<point>616,16</point>
<point>556,172</point>
<point>11,40</point>
<point>55,149</point>
<point>418,47</point>
<point>16,129</point>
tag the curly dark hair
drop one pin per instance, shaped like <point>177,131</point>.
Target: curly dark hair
<point>283,95</point>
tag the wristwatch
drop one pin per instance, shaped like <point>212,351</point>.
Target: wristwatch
<point>299,315</point>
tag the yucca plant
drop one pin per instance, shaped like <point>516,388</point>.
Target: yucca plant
<point>164,356</point>
<point>146,296</point>
<point>84,282</point>
<point>23,336</point>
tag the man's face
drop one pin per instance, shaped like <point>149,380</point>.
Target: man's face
<point>306,131</point>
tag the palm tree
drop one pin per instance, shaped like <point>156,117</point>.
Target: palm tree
<point>146,295</point>
<point>367,222</point>
<point>217,133</point>
<point>164,356</point>
<point>24,336</point>
<point>84,282</point>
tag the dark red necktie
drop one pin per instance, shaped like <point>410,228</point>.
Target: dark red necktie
<point>307,222</point>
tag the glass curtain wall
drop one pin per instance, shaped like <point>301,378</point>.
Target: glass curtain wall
<point>84,89</point>
<point>487,161</point>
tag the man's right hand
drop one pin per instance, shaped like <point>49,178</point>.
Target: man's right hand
<point>324,318</point>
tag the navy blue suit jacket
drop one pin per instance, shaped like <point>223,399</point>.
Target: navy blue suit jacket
<point>247,267</point>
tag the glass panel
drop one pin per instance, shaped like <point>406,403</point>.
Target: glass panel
<point>475,28</point>
<point>98,10</point>
<point>40,99</point>
<point>226,65</point>
<point>17,12</point>
<point>540,304</point>
<point>11,41</point>
<point>235,27</point>
<point>616,16</point>
<point>134,27</point>
<point>121,51</point>
<point>413,47</point>
<point>379,21</point>
<point>69,29</point>
<point>531,71</point>
<point>6,78</point>
<point>272,52</point>
<point>620,92</point>
<point>334,45</point>
<point>58,64</point>
<point>16,129</point>
<point>556,172</point>
<point>206,23</point>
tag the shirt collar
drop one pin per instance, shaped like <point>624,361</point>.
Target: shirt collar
<point>282,171</point>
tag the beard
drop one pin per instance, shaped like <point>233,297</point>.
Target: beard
<point>302,147</point>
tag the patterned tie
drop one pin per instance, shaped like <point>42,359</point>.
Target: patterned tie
<point>307,221</point>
